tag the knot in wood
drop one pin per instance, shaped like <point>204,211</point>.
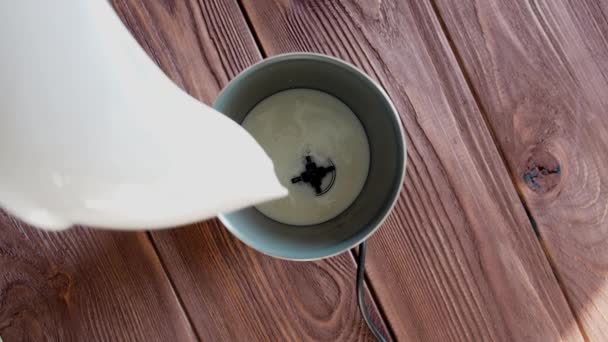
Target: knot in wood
<point>542,173</point>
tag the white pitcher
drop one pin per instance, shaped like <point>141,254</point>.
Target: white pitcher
<point>92,132</point>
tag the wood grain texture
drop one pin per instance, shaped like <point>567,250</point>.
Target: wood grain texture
<point>540,72</point>
<point>230,291</point>
<point>84,285</point>
<point>233,293</point>
<point>458,259</point>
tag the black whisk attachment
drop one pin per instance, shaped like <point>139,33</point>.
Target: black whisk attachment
<point>313,175</point>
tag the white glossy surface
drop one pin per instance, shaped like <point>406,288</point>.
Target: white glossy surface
<point>92,132</point>
<point>299,122</point>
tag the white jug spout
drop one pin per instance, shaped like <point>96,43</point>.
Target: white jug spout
<point>92,132</point>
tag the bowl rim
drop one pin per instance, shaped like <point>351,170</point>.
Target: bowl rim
<point>394,196</point>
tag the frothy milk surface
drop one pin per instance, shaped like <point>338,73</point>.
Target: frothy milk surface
<point>296,123</point>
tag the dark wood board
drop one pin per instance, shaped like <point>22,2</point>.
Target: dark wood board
<point>230,291</point>
<point>540,73</point>
<point>458,260</point>
<point>84,285</point>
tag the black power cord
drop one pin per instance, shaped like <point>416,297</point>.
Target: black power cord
<point>361,293</point>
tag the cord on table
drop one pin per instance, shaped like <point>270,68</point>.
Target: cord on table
<point>361,293</point>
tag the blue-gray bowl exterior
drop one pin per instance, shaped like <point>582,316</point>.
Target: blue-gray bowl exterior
<point>381,121</point>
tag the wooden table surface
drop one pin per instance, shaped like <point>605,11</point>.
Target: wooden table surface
<point>501,229</point>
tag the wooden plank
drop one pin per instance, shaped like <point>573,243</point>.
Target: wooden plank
<point>458,260</point>
<point>230,291</point>
<point>233,293</point>
<point>540,71</point>
<point>84,285</point>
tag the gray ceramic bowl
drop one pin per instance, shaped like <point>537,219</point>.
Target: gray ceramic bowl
<point>387,151</point>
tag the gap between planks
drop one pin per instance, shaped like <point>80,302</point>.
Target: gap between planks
<point>172,285</point>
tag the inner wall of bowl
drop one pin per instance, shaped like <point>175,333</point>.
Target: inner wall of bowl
<point>386,148</point>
